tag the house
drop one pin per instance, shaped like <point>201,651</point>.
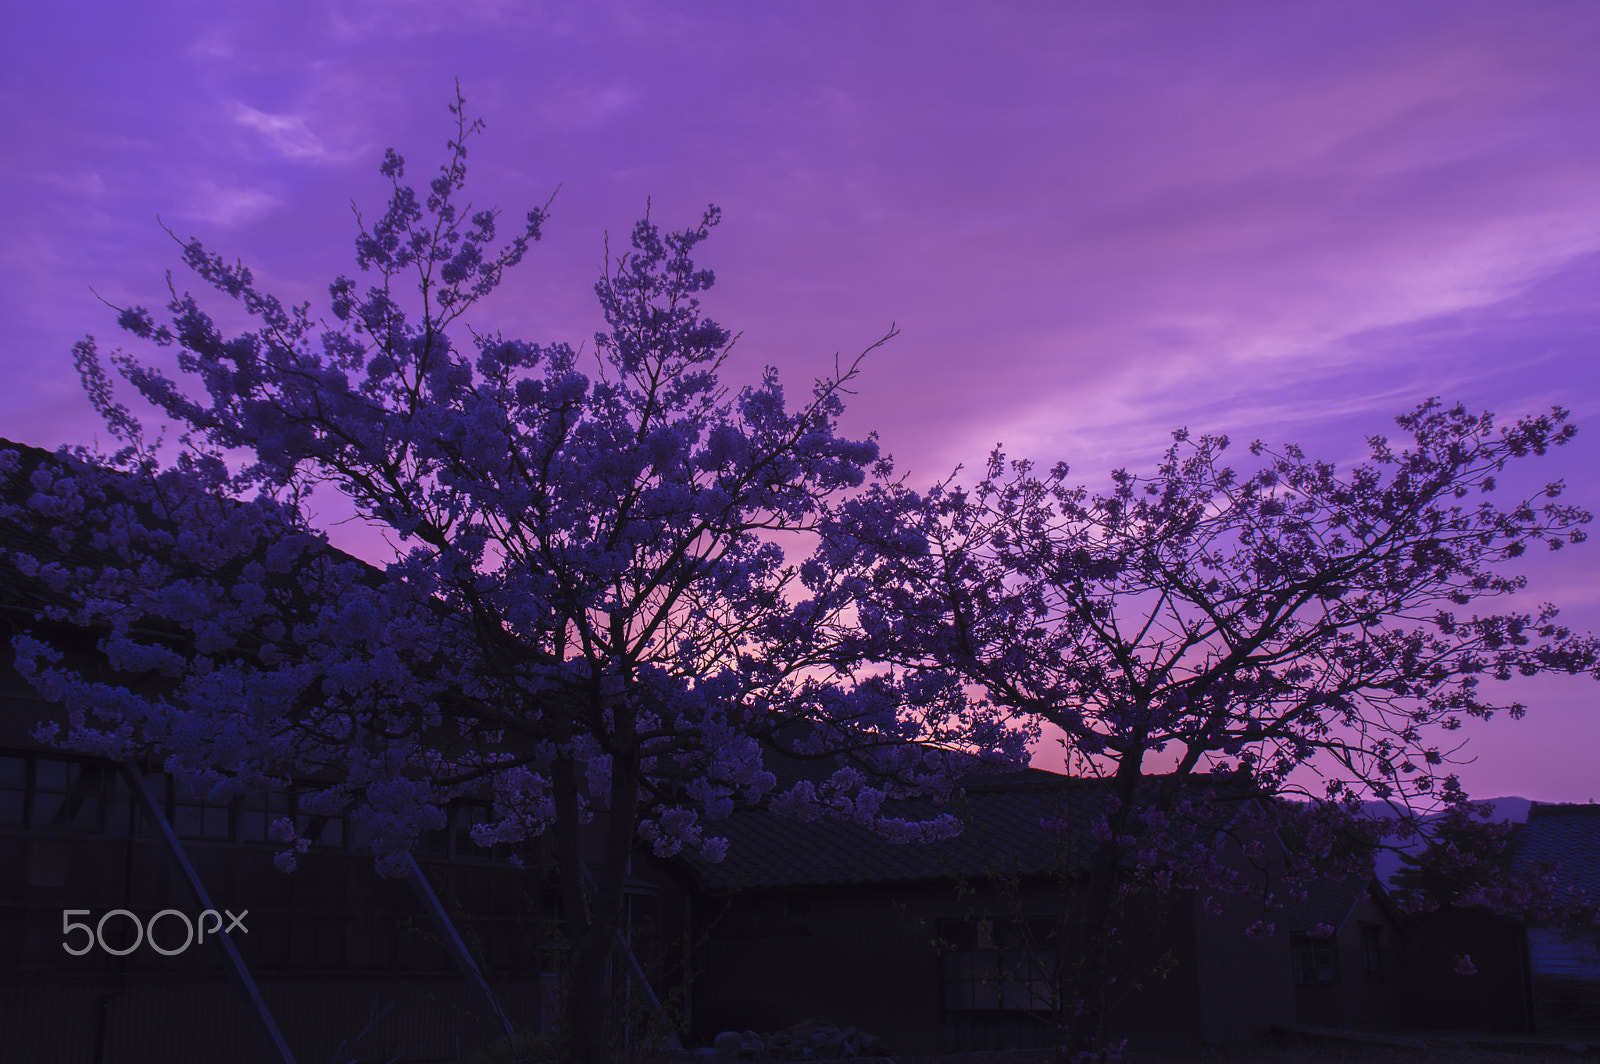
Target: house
<point>1359,962</point>
<point>1346,944</point>
<point>818,920</point>
<point>950,947</point>
<point>1565,975</point>
<point>1461,967</point>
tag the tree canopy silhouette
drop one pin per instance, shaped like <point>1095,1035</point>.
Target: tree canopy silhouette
<point>589,610</point>
<point>1251,623</point>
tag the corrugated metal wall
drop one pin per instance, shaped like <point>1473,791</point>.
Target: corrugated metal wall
<point>1566,983</point>
<point>1568,960</point>
<point>1245,984</point>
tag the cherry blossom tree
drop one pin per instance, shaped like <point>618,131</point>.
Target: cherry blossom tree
<point>1471,861</point>
<point>1257,627</point>
<point>589,609</point>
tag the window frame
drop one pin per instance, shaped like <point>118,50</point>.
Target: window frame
<point>88,784</point>
<point>998,966</point>
<point>1372,952</point>
<point>1304,948</point>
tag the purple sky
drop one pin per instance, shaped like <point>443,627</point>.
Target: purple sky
<point>1093,223</point>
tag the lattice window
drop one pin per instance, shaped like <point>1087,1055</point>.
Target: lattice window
<point>993,964</point>
<point>53,792</point>
<point>1313,961</point>
<point>1372,952</point>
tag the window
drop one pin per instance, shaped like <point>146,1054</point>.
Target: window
<point>257,812</point>
<point>13,785</point>
<point>454,841</point>
<point>1313,961</point>
<point>48,867</point>
<point>193,817</point>
<point>992,964</point>
<point>321,830</point>
<point>1372,952</point>
<point>464,817</point>
<point>51,792</point>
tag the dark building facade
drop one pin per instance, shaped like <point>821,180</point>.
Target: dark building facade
<point>1346,944</point>
<point>952,946</point>
<point>1493,994</point>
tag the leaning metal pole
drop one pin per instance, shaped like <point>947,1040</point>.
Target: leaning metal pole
<point>622,946</point>
<point>175,851</point>
<point>452,942</point>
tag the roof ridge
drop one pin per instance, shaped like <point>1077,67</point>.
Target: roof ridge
<point>1545,808</point>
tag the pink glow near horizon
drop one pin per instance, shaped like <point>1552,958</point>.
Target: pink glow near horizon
<point>1091,224</point>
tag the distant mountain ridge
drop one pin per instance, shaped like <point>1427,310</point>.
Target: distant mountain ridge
<point>1513,808</point>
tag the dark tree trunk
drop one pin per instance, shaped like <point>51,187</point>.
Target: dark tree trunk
<point>1085,995</point>
<point>593,907</point>
<point>583,986</point>
<point>593,910</point>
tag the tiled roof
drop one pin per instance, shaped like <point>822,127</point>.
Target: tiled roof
<point>1328,901</point>
<point>16,590</point>
<point>1002,834</point>
<point>1567,833</point>
<point>19,593</point>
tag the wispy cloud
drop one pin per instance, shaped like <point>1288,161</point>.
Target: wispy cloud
<point>288,135</point>
<point>228,205</point>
